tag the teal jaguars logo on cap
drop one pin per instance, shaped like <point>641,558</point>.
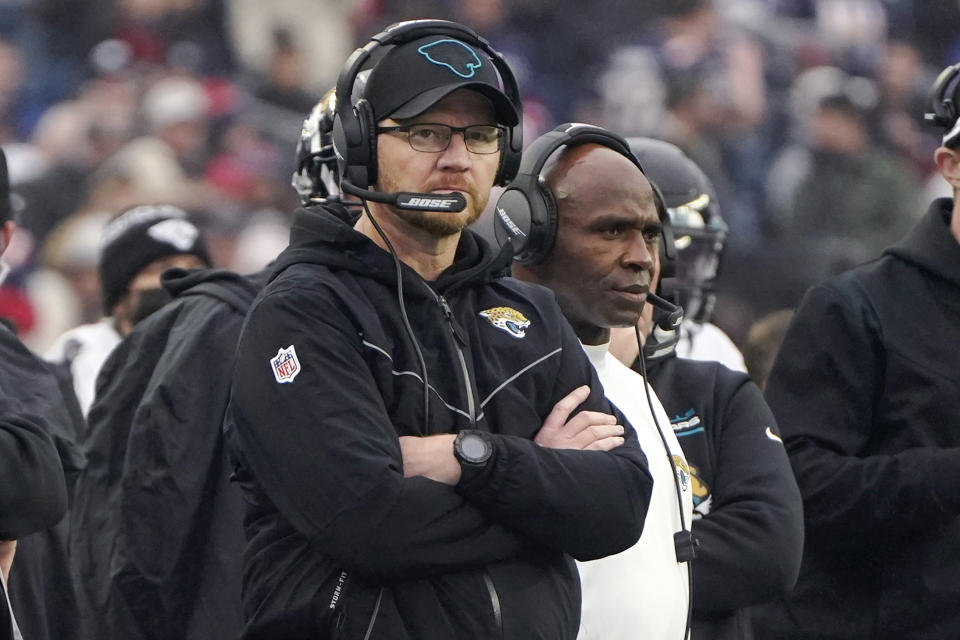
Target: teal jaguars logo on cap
<point>453,55</point>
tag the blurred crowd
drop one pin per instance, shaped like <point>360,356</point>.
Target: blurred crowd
<point>806,115</point>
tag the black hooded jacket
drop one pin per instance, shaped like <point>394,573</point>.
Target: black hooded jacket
<point>748,518</point>
<point>39,457</point>
<point>341,544</point>
<point>866,390</point>
<point>158,531</point>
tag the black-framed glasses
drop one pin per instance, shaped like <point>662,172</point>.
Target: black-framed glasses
<point>433,137</point>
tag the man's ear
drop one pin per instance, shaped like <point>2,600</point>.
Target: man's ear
<point>6,232</point>
<point>948,163</point>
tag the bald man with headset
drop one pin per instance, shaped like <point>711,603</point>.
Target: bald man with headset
<point>585,222</point>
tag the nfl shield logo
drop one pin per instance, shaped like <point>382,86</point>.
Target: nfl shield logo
<point>285,365</point>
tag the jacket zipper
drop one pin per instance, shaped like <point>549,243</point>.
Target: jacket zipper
<point>472,409</point>
<point>494,602</point>
<point>461,343</point>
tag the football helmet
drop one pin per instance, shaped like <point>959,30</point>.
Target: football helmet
<point>315,178</point>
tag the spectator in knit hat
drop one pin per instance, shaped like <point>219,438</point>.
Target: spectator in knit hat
<point>136,247</point>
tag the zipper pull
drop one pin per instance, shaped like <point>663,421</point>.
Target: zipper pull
<point>448,314</point>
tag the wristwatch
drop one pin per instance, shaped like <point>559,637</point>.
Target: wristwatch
<point>473,448</point>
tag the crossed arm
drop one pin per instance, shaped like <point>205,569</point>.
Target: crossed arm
<point>432,456</point>
<point>379,504</point>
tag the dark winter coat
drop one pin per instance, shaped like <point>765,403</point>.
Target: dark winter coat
<point>159,537</point>
<point>37,440</point>
<point>341,544</point>
<point>748,518</point>
<point>866,390</point>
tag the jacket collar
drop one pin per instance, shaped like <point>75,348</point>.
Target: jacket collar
<point>930,245</point>
<point>324,234</point>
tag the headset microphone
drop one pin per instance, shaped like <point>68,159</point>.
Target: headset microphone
<point>674,313</point>
<point>667,329</point>
<point>665,333</point>
<point>410,201</point>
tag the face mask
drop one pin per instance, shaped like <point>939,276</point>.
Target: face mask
<point>148,301</point>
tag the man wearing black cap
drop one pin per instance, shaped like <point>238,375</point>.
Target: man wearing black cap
<point>400,410</point>
<point>135,248</point>
<point>33,493</point>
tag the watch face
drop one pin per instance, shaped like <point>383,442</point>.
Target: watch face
<point>474,448</point>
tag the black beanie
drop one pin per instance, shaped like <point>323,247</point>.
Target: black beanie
<point>139,236</point>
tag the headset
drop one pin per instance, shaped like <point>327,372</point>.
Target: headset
<point>943,110</point>
<point>355,127</point>
<point>526,213</point>
<point>526,217</point>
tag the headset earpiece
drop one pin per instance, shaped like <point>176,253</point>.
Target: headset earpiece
<point>511,155</point>
<point>526,213</point>
<point>367,160</point>
<point>942,99</point>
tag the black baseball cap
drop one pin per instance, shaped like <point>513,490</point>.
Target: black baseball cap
<point>414,76</point>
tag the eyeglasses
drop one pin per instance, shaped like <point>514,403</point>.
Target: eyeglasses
<point>433,137</point>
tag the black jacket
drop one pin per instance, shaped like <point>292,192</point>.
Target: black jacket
<point>866,389</point>
<point>33,494</point>
<point>159,534</point>
<point>748,518</point>
<point>43,590</point>
<point>336,532</point>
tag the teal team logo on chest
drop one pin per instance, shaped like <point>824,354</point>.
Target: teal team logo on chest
<point>687,424</point>
<point>454,55</point>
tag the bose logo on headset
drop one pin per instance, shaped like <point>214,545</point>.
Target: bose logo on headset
<point>416,202</point>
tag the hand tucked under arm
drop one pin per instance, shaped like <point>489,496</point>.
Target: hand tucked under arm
<point>588,430</point>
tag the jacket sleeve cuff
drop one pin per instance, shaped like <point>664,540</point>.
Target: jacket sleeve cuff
<point>475,479</point>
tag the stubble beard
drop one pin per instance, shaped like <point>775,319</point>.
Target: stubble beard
<point>439,224</point>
